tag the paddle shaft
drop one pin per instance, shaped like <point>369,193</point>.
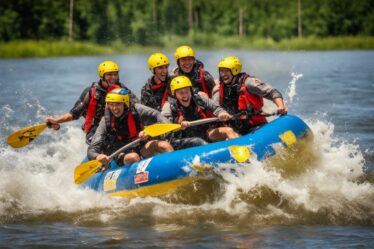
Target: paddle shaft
<point>203,121</point>
<point>269,114</point>
<point>124,148</point>
<point>210,120</point>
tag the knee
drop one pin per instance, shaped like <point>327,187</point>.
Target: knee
<point>131,157</point>
<point>164,146</point>
<point>231,133</point>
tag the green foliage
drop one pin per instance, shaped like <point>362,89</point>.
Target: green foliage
<point>162,22</point>
<point>17,49</point>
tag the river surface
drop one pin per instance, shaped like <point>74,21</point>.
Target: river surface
<point>327,203</point>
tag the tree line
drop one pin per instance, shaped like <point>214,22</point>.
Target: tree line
<point>145,22</point>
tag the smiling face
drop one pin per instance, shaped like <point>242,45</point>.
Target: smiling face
<point>186,63</point>
<point>111,78</point>
<point>184,95</point>
<point>116,108</point>
<point>226,75</point>
<point>161,73</point>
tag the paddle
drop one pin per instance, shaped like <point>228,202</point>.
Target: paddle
<point>26,135</point>
<point>159,129</point>
<point>85,170</point>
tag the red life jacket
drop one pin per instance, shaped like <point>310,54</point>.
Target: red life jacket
<point>91,110</point>
<point>133,132</point>
<point>203,113</point>
<point>92,107</point>
<point>202,78</point>
<point>247,101</point>
<point>203,85</point>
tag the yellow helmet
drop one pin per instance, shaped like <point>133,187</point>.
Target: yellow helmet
<point>157,60</point>
<point>179,82</point>
<point>233,63</point>
<point>118,95</point>
<point>183,51</point>
<point>106,67</point>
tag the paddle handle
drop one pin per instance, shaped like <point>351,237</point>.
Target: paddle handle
<point>124,148</point>
<point>203,121</point>
<point>270,114</point>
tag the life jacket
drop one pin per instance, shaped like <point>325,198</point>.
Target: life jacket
<point>152,89</point>
<point>196,76</point>
<point>246,101</point>
<point>96,102</point>
<point>119,134</point>
<point>199,112</point>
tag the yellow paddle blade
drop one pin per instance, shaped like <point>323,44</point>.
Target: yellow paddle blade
<point>160,129</point>
<point>24,136</point>
<point>85,170</point>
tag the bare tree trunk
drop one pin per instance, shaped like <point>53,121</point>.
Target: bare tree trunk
<point>299,24</point>
<point>154,13</point>
<point>71,20</point>
<point>190,16</point>
<point>196,18</point>
<point>241,22</point>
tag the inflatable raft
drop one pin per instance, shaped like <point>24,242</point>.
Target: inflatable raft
<point>165,173</point>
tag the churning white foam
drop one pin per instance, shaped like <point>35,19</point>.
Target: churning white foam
<point>291,89</point>
<point>38,179</point>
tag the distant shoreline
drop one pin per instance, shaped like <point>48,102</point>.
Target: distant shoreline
<point>33,49</point>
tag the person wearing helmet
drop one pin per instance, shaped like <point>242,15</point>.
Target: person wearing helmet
<point>122,123</point>
<point>188,106</point>
<point>91,103</point>
<point>156,91</point>
<point>202,81</point>
<point>238,92</point>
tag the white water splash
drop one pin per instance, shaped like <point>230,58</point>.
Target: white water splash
<point>291,89</point>
<point>37,180</point>
<point>39,177</point>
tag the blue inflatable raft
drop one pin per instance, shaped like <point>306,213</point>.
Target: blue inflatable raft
<point>167,172</point>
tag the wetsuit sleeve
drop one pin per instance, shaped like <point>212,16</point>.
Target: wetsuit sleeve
<point>212,107</point>
<point>95,148</point>
<point>215,97</point>
<point>146,97</point>
<point>174,73</point>
<point>166,111</point>
<point>81,106</point>
<point>260,88</point>
<point>149,115</point>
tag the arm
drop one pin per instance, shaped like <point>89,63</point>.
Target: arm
<point>166,111</point>
<point>260,88</point>
<point>147,98</point>
<point>215,96</point>
<point>257,87</point>
<point>149,115</point>
<point>217,110</point>
<point>76,112</point>
<point>95,148</point>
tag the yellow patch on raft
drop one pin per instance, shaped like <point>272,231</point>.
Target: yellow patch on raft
<point>288,138</point>
<point>240,153</point>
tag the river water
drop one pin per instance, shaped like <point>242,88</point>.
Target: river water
<point>327,203</point>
